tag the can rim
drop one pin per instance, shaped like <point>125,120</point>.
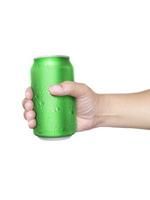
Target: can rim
<point>53,56</point>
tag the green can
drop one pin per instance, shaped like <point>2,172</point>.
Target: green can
<point>55,115</point>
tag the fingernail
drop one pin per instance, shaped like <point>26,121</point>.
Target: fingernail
<point>55,89</point>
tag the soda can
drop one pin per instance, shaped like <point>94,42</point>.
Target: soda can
<point>55,115</point>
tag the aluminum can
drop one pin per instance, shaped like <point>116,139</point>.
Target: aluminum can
<point>55,115</point>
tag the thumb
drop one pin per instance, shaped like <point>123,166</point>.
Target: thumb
<point>69,88</point>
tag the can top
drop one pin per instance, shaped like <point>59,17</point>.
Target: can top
<point>55,57</point>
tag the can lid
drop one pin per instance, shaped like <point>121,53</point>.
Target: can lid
<point>51,57</point>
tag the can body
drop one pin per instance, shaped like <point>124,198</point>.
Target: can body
<point>55,115</point>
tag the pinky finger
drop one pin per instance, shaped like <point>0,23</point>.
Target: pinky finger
<point>32,123</point>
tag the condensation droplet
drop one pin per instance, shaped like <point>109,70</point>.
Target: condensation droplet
<point>57,109</point>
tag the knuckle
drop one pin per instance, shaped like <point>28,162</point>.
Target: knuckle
<point>84,85</point>
<point>24,114</point>
<point>30,125</point>
<point>85,88</point>
<point>66,82</point>
<point>69,85</point>
<point>23,102</point>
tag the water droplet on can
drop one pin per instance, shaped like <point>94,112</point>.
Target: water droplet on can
<point>57,109</point>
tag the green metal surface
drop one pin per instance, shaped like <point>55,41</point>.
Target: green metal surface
<point>55,115</point>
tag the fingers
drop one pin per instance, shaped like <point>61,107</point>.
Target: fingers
<point>28,96</point>
<point>27,104</point>
<point>30,117</point>
<point>69,88</point>
<point>29,93</point>
<point>32,123</point>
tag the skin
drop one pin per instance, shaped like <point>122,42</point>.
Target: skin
<point>97,110</point>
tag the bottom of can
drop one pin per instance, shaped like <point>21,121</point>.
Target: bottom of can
<point>48,134</point>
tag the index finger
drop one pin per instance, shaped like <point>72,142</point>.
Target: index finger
<point>29,93</point>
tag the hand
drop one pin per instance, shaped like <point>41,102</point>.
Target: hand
<point>87,103</point>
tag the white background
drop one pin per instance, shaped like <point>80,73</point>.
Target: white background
<point>109,45</point>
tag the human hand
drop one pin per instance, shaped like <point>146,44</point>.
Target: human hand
<point>87,103</point>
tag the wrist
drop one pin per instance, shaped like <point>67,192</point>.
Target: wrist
<point>130,110</point>
<point>107,112</point>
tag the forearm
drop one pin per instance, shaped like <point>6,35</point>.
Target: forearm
<point>124,110</point>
